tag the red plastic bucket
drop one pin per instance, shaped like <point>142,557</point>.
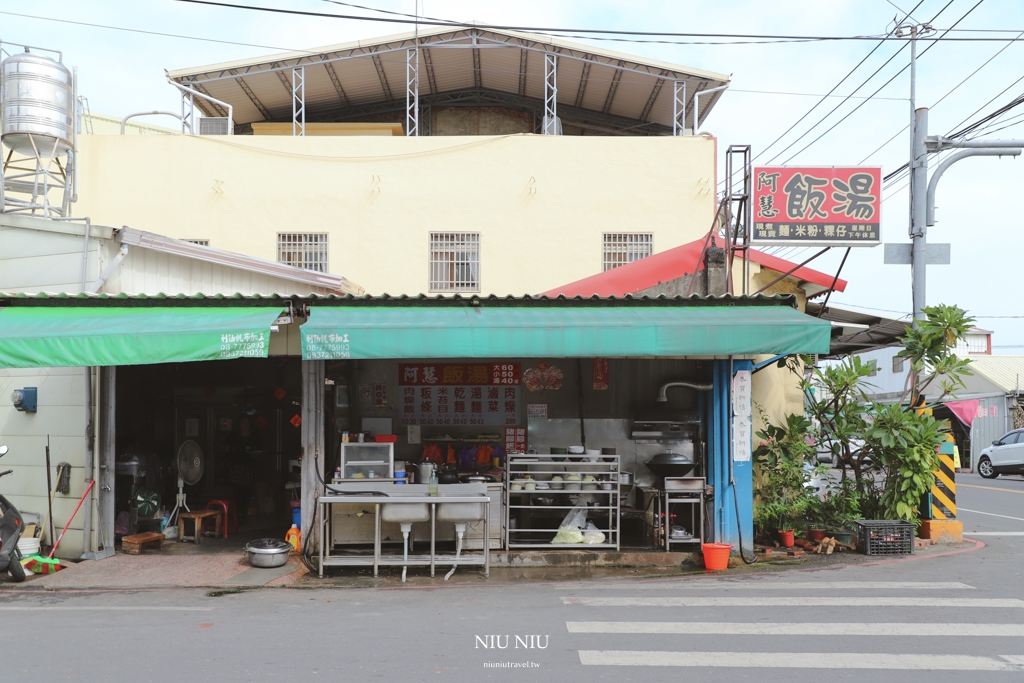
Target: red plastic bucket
<point>716,555</point>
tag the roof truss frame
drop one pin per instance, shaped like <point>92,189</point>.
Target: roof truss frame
<point>482,40</point>
<point>584,118</point>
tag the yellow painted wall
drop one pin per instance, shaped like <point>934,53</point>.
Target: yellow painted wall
<point>541,203</point>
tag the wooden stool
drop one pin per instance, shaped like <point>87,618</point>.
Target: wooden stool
<point>197,518</point>
<point>133,545</point>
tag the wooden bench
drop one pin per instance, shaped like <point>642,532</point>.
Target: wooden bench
<point>197,517</point>
<point>133,545</point>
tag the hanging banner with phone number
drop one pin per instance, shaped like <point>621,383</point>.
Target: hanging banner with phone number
<point>817,206</point>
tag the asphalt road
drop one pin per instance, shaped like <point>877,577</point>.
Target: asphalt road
<point>958,617</point>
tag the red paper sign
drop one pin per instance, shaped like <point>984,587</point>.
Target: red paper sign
<point>515,439</point>
<point>600,366</point>
<point>817,205</point>
<point>459,374</point>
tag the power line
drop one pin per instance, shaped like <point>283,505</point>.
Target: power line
<point>923,52</point>
<point>590,32</point>
<point>972,74</point>
<point>830,92</point>
<point>152,33</point>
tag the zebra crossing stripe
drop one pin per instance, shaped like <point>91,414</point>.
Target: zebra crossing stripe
<point>796,601</point>
<point>927,629</point>
<point>804,660</point>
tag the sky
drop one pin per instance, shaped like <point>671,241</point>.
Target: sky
<point>772,87</point>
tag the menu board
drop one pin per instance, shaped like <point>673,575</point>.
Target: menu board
<point>459,374</point>
<point>515,439</point>
<point>460,405</point>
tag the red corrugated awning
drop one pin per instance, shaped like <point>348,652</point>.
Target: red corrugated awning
<point>674,263</point>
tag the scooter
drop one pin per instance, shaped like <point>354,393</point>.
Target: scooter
<point>11,526</point>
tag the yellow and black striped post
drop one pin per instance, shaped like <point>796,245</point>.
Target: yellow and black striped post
<point>944,488</point>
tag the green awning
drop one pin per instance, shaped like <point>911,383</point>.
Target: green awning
<point>49,336</point>
<point>488,331</point>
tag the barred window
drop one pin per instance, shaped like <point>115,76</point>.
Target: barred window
<point>306,250</point>
<point>202,243</point>
<point>621,248</point>
<point>454,262</point>
<point>897,364</point>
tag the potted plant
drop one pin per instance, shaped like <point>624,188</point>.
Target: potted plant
<point>778,516</point>
<point>818,515</point>
<point>783,460</point>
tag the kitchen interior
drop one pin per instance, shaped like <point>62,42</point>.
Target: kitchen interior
<point>617,446</point>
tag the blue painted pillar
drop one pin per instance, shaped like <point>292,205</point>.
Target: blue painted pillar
<point>733,505</point>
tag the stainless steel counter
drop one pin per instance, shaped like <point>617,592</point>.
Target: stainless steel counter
<point>348,494</point>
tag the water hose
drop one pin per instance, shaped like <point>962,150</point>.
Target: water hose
<point>460,529</point>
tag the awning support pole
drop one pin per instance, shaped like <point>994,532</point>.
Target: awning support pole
<point>299,101</point>
<point>550,123</point>
<point>412,92</point>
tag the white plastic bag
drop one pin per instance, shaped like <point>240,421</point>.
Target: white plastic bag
<point>570,531</point>
<point>592,535</point>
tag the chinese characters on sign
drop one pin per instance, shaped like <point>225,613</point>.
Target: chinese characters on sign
<point>459,394</point>
<point>460,405</point>
<point>244,345</point>
<point>827,205</point>
<point>437,374</point>
<point>515,439</point>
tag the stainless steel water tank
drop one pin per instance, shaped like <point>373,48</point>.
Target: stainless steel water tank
<point>36,98</point>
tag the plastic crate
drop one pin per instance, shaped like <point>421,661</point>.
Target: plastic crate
<point>885,537</point>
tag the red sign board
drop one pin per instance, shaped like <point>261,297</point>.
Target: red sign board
<point>469,405</point>
<point>829,205</point>
<point>459,374</point>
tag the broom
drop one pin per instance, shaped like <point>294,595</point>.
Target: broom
<point>48,565</point>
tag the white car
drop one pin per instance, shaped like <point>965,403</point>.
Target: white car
<point>1004,456</point>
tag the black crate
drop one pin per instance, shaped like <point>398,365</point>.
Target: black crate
<point>885,537</point>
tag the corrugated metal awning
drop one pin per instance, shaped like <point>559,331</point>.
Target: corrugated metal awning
<point>60,336</point>
<point>541,332</point>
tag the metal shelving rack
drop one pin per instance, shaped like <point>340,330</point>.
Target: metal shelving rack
<point>609,501</point>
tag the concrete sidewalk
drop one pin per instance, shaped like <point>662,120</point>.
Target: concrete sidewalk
<point>231,571</point>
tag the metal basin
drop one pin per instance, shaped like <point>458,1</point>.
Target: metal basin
<point>460,512</point>
<point>405,512</point>
<point>267,552</point>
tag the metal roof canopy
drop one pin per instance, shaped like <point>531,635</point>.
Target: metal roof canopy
<point>596,89</point>
<point>855,332</point>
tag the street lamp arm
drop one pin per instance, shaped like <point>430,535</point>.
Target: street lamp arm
<point>941,168</point>
<point>937,143</point>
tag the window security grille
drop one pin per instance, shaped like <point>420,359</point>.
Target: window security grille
<point>454,262</point>
<point>202,243</point>
<point>621,248</point>
<point>306,250</point>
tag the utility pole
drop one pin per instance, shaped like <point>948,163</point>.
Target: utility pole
<point>918,175</point>
<point>922,191</point>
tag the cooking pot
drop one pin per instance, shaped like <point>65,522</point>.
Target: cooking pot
<point>448,475</point>
<point>670,465</point>
<point>426,467</point>
<point>267,552</point>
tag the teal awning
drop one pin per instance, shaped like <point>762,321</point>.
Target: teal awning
<point>489,331</point>
<point>50,336</point>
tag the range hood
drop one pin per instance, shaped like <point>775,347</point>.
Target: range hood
<point>683,429</point>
